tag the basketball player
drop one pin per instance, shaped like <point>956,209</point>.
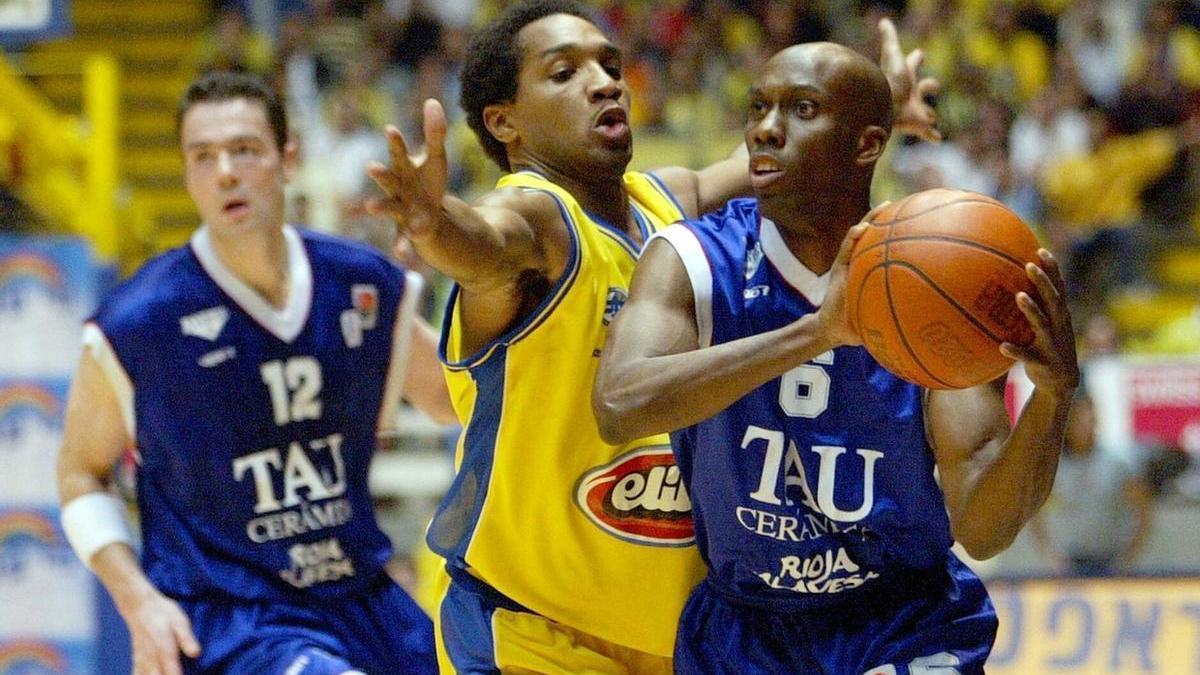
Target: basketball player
<point>567,553</point>
<point>810,468</point>
<point>250,370</point>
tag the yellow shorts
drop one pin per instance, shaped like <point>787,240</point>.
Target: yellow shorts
<point>480,631</point>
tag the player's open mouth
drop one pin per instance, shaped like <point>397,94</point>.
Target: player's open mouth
<point>613,123</point>
<point>236,207</point>
<point>764,170</point>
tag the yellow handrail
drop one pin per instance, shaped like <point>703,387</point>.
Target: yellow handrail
<point>69,165</point>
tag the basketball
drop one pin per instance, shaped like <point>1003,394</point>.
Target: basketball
<point>932,283</point>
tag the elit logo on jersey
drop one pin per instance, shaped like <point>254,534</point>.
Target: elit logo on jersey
<point>613,304</point>
<point>639,497</point>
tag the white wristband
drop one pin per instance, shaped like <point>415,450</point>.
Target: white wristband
<point>93,521</point>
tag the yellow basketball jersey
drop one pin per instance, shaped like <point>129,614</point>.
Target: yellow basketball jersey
<point>594,536</point>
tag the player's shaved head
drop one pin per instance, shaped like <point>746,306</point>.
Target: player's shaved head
<point>853,79</point>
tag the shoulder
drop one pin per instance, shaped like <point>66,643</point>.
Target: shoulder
<point>156,286</point>
<point>537,206</point>
<point>737,219</point>
<point>348,260</point>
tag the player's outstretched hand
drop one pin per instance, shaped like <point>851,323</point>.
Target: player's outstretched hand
<point>159,631</point>
<point>914,116</point>
<point>1050,360</point>
<point>834,319</point>
<point>414,184</point>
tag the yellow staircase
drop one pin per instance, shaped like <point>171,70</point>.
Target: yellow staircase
<point>152,40</point>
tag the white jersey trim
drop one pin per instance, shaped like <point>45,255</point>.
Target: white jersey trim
<point>687,246</point>
<point>809,283</point>
<point>97,345</point>
<point>285,323</point>
<point>402,332</point>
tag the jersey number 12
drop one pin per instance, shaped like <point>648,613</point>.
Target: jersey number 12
<point>295,387</point>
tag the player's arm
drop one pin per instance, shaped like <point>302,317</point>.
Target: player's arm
<point>94,437</point>
<point>424,383</point>
<point>705,190</point>
<point>653,376</point>
<point>488,247</point>
<point>995,479</point>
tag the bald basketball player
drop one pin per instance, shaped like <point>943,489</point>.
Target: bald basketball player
<point>810,467</point>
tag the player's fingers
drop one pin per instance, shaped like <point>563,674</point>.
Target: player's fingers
<point>435,130</point>
<point>928,86</point>
<point>913,61</point>
<point>1034,314</point>
<point>1016,352</point>
<point>398,149</point>
<point>1052,269</point>
<point>852,236</point>
<point>402,249</point>
<point>889,41</point>
<point>395,208</point>
<point>188,643</point>
<point>385,178</point>
<point>871,215</point>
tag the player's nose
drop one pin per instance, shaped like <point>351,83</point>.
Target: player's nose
<point>225,171</point>
<point>768,131</point>
<point>603,85</point>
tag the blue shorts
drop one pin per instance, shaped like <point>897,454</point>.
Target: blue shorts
<point>947,628</point>
<point>484,633</point>
<point>379,631</point>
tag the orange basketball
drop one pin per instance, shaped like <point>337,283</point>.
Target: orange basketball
<point>932,283</point>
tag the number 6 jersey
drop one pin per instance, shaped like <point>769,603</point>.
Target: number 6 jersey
<point>818,486</point>
<point>255,425</point>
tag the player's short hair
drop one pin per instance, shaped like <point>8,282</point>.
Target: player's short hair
<point>493,61</point>
<point>226,85</point>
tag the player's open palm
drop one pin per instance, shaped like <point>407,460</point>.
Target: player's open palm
<point>159,631</point>
<point>914,115</point>
<point>1050,360</point>
<point>414,183</point>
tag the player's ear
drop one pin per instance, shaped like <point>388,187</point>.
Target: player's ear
<point>496,119</point>
<point>871,144</point>
<point>291,159</point>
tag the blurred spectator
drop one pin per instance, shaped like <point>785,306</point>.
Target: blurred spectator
<point>337,185</point>
<point>1099,514</point>
<point>301,71</point>
<point>1051,127</point>
<point>232,45</point>
<point>1096,197</point>
<point>1098,36</point>
<point>1017,60</point>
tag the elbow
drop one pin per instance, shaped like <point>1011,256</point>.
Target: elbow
<point>986,540</point>
<point>611,418</point>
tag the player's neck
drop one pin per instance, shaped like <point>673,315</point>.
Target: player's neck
<point>600,195</point>
<point>814,231</point>
<point>259,258</point>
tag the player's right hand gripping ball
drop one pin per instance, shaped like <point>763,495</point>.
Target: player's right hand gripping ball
<point>932,284</point>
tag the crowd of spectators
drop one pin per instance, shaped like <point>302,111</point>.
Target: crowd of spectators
<point>1082,116</point>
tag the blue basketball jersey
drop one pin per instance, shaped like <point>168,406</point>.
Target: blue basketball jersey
<point>255,425</point>
<point>817,487</point>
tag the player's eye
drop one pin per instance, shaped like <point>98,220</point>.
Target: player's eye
<point>613,70</point>
<point>805,109</point>
<point>562,74</point>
